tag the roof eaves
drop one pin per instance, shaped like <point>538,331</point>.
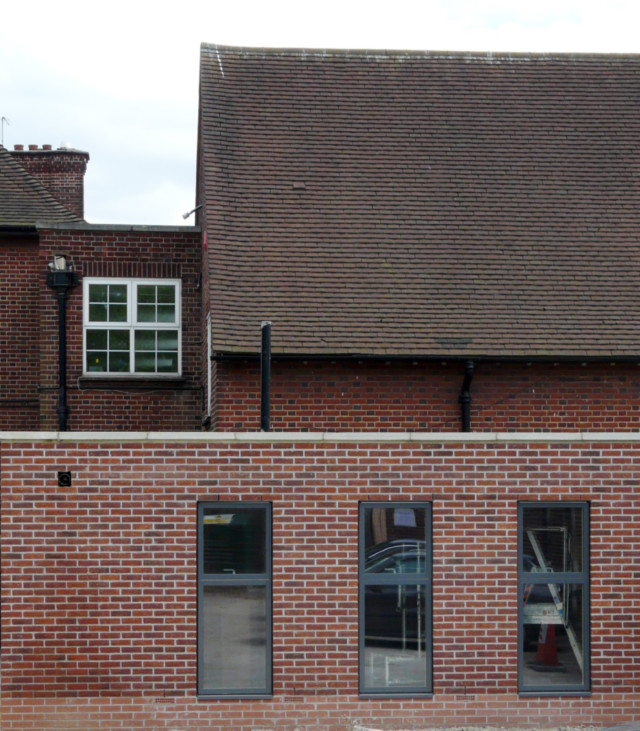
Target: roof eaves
<point>221,355</point>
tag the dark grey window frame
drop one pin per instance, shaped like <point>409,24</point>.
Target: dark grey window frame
<point>425,579</point>
<point>237,580</point>
<point>581,578</point>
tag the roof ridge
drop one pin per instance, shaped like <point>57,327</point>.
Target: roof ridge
<point>258,51</point>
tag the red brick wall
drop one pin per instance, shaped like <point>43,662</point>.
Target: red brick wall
<point>99,580</point>
<point>19,365</point>
<point>122,404</point>
<point>371,396</point>
<point>60,171</point>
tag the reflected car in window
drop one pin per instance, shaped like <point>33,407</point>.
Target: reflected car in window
<point>395,614</point>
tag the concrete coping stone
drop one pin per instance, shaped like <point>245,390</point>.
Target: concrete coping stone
<point>322,437</point>
<point>120,227</point>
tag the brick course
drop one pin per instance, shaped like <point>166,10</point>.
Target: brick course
<point>19,365</point>
<point>99,580</point>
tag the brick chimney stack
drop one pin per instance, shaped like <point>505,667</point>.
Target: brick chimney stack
<point>60,171</point>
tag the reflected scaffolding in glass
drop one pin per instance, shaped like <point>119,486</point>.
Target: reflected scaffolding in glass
<point>553,636</point>
<point>234,646</point>
<point>553,538</point>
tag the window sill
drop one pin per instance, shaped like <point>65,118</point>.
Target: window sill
<point>392,694</point>
<point>232,697</point>
<point>131,382</point>
<point>554,693</point>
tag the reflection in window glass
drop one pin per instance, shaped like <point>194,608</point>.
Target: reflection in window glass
<point>395,638</point>
<point>553,538</point>
<point>234,541</point>
<point>395,595</point>
<point>394,540</point>
<point>234,621</point>
<point>553,639</point>
<point>554,588</point>
<point>234,605</point>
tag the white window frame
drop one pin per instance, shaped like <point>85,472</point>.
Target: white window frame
<point>131,324</point>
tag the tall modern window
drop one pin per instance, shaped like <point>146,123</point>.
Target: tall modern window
<point>553,597</point>
<point>395,598</point>
<point>234,599</point>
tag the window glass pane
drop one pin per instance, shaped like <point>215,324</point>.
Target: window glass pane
<point>97,313</point>
<point>119,362</point>
<point>146,294</point>
<point>145,340</point>
<point>118,293</point>
<point>166,294</point>
<point>167,362</point>
<point>146,313</point>
<point>234,540</point>
<point>395,540</point>
<point>119,340</point>
<point>395,636</point>
<point>234,638</point>
<point>96,361</point>
<point>98,293</point>
<point>96,339</point>
<point>166,313</point>
<point>552,637</point>
<point>553,538</point>
<point>145,362</point>
<point>167,340</point>
<point>117,313</point>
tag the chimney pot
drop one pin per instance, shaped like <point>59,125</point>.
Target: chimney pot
<point>46,147</point>
<point>33,147</point>
<point>18,147</point>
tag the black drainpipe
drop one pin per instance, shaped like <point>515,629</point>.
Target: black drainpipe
<point>61,280</point>
<point>265,377</point>
<point>465,396</point>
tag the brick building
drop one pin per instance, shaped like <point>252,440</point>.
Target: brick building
<point>117,378</point>
<point>441,526</point>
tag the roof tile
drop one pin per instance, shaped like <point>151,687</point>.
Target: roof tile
<point>453,204</point>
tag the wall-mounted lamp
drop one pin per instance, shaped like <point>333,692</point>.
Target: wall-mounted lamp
<point>193,210</point>
<point>60,273</point>
<point>61,278</point>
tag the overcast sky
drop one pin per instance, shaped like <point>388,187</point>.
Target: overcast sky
<point>120,79</point>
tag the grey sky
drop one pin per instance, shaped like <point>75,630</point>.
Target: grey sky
<point>120,79</point>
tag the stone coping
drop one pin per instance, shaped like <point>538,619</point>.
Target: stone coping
<point>82,226</point>
<point>378,437</point>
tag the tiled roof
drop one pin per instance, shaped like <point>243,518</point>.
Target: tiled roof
<point>422,204</point>
<point>23,199</point>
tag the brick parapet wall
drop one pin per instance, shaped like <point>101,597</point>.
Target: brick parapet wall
<point>422,396</point>
<point>121,253</point>
<point>99,580</point>
<point>19,364</point>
